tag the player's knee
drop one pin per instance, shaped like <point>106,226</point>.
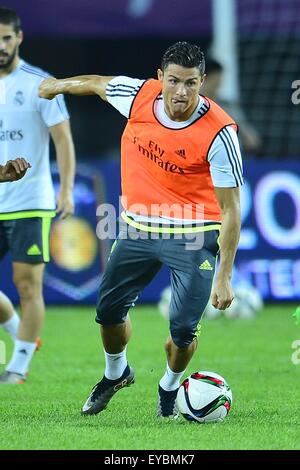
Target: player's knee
<point>24,287</point>
<point>102,317</point>
<point>107,314</point>
<point>28,286</point>
<point>182,336</point>
<point>108,318</point>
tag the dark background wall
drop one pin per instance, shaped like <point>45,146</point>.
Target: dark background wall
<point>69,37</point>
<point>96,126</point>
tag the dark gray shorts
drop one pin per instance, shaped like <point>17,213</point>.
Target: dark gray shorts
<point>134,263</point>
<point>26,239</point>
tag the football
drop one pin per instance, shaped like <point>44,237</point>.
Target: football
<point>247,303</point>
<point>204,397</point>
<point>164,302</point>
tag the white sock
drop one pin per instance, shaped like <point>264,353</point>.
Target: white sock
<point>115,364</point>
<point>22,355</point>
<point>12,325</point>
<point>171,380</point>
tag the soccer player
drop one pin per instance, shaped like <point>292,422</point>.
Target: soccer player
<point>27,206</point>
<point>181,172</point>
<point>13,170</point>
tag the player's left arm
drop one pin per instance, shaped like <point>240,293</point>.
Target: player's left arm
<point>229,201</point>
<point>65,156</point>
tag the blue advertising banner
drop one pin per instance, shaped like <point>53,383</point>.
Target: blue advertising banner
<point>77,256</point>
<point>269,249</point>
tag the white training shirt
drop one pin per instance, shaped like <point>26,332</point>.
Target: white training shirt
<point>24,122</point>
<point>224,155</point>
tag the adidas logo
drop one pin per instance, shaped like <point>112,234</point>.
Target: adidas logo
<point>34,250</point>
<point>181,153</point>
<point>23,351</point>
<point>206,265</point>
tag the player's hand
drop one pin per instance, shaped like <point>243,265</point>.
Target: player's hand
<point>14,170</point>
<point>222,294</point>
<point>65,204</point>
<point>47,88</point>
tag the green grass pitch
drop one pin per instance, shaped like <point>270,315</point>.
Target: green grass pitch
<point>254,357</point>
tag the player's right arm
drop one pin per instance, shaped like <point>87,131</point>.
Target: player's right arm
<point>82,85</point>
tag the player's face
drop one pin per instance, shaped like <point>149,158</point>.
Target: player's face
<point>9,45</point>
<point>180,89</point>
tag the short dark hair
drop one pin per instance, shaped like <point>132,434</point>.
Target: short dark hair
<point>212,65</point>
<point>10,17</point>
<point>184,54</point>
